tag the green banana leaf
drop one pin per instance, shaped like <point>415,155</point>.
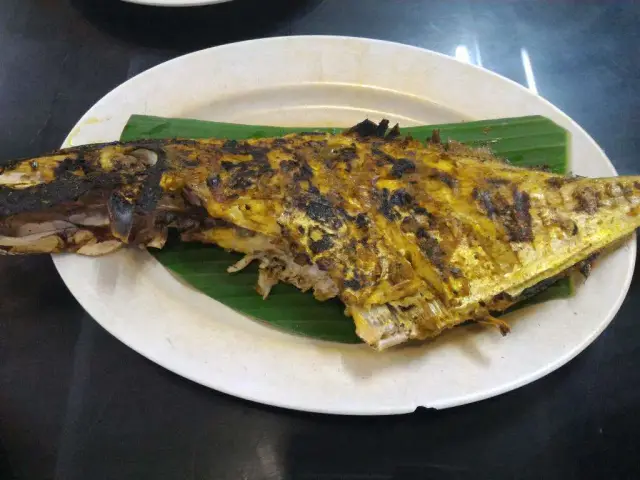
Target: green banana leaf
<point>524,141</point>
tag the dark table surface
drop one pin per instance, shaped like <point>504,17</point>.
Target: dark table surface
<point>77,404</point>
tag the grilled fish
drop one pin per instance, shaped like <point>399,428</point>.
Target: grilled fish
<point>413,238</point>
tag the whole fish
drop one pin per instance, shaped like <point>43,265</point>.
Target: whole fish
<point>414,238</point>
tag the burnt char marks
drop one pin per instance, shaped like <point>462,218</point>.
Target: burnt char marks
<point>347,154</point>
<point>430,247</point>
<point>587,200</point>
<point>320,209</point>
<point>302,259</point>
<point>356,281</point>
<point>585,266</point>
<point>402,166</point>
<point>497,182</point>
<point>558,182</point>
<point>288,166</point>
<point>538,288</point>
<point>361,220</point>
<point>299,168</point>
<point>233,147</point>
<point>399,166</point>
<point>382,127</point>
<point>227,165</point>
<point>514,215</point>
<point>382,158</point>
<point>390,202</point>
<point>406,308</point>
<point>259,154</point>
<point>573,228</point>
<point>194,218</point>
<point>483,197</point>
<point>304,171</point>
<point>245,174</point>
<point>343,156</point>
<point>71,164</point>
<point>522,230</point>
<point>66,188</point>
<point>367,128</point>
<point>151,190</point>
<point>241,182</point>
<point>190,162</point>
<point>352,284</point>
<point>393,133</point>
<point>322,245</point>
<point>446,178</point>
<point>386,207</point>
<point>230,146</point>
<point>324,264</point>
<point>503,297</point>
<point>400,198</point>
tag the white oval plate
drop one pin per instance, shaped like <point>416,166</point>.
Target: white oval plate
<point>177,3</point>
<point>332,81</point>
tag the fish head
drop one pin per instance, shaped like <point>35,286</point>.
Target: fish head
<point>90,199</point>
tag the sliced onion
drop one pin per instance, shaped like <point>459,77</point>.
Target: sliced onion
<point>149,157</point>
<point>26,244</point>
<point>90,219</point>
<point>159,239</point>
<point>83,237</point>
<point>242,263</point>
<point>44,228</point>
<point>99,249</point>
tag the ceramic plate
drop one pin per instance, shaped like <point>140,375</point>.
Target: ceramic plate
<point>333,81</point>
<point>176,3</point>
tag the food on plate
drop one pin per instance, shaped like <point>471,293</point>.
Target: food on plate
<point>413,238</point>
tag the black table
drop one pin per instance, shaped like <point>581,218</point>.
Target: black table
<point>77,404</point>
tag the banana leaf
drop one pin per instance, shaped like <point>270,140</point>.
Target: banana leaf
<point>532,141</point>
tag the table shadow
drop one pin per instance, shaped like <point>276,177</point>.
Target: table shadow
<point>186,29</point>
<point>5,467</point>
<point>517,435</point>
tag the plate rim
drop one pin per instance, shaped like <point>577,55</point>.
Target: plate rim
<point>176,3</point>
<point>410,405</point>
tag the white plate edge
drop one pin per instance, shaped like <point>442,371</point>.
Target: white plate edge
<point>631,245</point>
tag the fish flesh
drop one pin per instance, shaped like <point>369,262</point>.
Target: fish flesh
<point>414,238</point>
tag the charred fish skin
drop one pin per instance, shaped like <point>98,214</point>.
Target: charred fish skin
<point>420,238</point>
<point>94,199</point>
<point>491,241</point>
<point>414,238</point>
